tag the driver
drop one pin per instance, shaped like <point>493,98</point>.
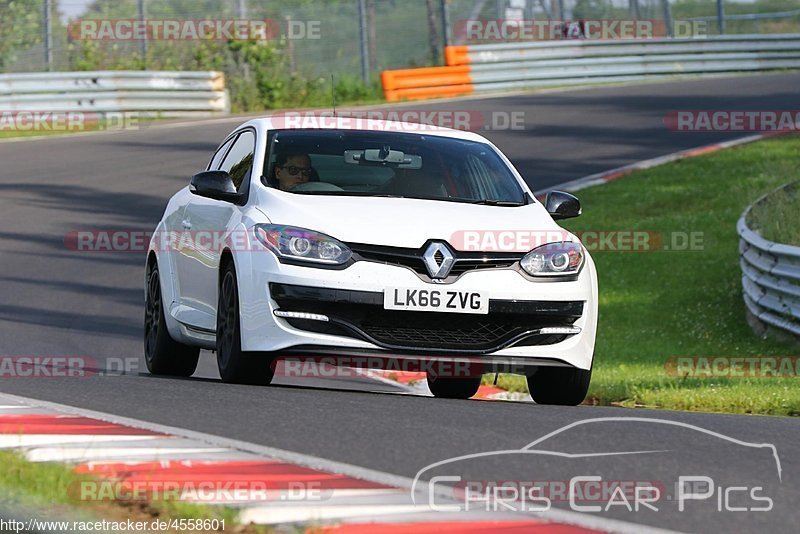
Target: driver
<point>292,169</point>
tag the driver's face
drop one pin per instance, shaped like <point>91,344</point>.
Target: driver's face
<point>300,165</point>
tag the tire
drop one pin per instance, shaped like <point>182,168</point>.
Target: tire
<point>162,354</point>
<point>564,386</point>
<point>236,366</point>
<point>453,388</point>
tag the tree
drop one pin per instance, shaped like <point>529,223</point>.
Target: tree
<point>20,27</point>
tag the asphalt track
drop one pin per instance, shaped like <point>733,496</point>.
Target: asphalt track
<point>57,302</point>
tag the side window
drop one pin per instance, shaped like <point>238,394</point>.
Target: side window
<point>239,160</point>
<point>219,154</point>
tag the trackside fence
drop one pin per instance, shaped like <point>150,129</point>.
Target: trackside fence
<point>770,276</point>
<point>508,66</point>
<point>163,93</point>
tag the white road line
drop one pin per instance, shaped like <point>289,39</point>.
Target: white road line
<point>84,454</point>
<point>284,498</point>
<point>10,441</point>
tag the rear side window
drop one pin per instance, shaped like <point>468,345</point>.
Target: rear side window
<point>239,160</point>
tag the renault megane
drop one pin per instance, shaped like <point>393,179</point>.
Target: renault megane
<point>398,240</point>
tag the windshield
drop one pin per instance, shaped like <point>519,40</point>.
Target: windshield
<point>359,163</point>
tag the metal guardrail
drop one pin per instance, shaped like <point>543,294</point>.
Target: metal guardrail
<point>753,16</point>
<point>165,93</point>
<point>505,66</point>
<point>770,276</point>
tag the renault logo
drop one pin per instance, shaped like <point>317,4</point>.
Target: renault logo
<point>438,260</point>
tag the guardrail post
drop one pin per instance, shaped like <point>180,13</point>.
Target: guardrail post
<point>290,48</point>
<point>668,17</point>
<point>362,34</point>
<point>445,22</point>
<point>372,39</point>
<point>561,13</point>
<point>721,16</point>
<point>143,42</point>
<point>633,7</point>
<point>48,36</point>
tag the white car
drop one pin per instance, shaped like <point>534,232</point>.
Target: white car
<point>398,241</point>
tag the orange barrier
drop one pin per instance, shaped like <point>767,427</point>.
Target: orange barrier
<point>427,82</point>
<point>456,55</point>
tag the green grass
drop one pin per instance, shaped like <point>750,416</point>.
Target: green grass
<point>777,217</point>
<point>53,488</point>
<point>10,134</point>
<point>660,304</point>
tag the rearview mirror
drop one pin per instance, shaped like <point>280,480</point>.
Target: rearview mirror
<point>562,205</point>
<point>215,184</point>
<point>384,156</point>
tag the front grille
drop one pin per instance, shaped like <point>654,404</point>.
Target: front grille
<point>361,314</point>
<point>412,258</point>
<point>439,332</point>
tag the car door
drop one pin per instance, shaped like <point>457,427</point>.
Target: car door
<point>207,221</point>
<point>177,235</point>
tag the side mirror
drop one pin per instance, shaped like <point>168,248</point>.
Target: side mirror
<point>562,205</point>
<point>215,184</point>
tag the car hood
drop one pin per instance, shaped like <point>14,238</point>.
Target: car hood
<point>409,223</point>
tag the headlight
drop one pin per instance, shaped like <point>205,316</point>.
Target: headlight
<point>288,242</point>
<point>554,259</point>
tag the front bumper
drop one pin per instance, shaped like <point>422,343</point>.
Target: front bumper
<point>352,299</point>
<point>361,315</point>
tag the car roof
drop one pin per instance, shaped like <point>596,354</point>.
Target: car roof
<point>318,121</point>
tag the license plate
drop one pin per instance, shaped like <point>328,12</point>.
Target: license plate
<point>435,300</point>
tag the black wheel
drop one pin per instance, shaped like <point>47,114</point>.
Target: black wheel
<point>453,388</point>
<point>162,354</point>
<point>565,386</point>
<point>236,366</point>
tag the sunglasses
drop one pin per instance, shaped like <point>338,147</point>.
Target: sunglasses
<point>294,171</point>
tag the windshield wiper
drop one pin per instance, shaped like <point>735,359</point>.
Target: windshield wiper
<point>346,194</point>
<point>495,202</point>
